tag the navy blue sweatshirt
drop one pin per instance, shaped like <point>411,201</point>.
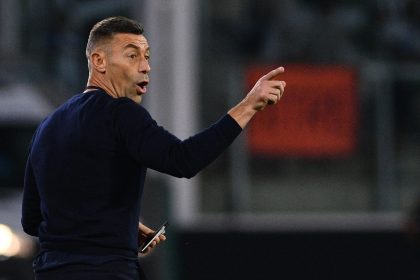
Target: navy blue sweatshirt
<point>86,168</point>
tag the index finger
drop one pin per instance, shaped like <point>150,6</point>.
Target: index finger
<point>273,73</point>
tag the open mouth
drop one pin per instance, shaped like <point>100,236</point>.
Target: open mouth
<point>142,87</point>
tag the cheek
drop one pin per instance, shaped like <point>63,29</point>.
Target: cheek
<point>127,72</point>
<point>120,70</point>
<point>128,76</point>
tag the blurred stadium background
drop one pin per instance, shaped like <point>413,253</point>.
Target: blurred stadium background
<point>324,186</point>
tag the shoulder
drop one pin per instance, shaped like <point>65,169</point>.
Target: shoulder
<point>128,116</point>
<point>127,107</point>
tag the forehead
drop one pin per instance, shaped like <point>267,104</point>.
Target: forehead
<point>125,40</point>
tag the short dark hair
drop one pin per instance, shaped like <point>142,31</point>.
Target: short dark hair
<point>107,28</point>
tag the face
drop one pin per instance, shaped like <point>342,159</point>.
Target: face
<point>127,66</point>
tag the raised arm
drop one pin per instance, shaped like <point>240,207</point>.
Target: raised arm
<point>156,148</point>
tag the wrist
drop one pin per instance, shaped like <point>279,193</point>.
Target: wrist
<point>242,113</point>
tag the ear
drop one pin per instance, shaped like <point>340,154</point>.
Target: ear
<point>98,61</point>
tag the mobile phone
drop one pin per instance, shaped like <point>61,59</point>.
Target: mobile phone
<point>149,241</point>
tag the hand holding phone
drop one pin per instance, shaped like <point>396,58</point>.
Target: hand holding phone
<point>150,240</point>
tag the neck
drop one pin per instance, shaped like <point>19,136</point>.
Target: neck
<point>89,88</point>
<point>94,84</point>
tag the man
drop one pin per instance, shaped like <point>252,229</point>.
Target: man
<point>87,162</point>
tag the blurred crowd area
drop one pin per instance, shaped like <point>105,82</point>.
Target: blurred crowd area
<point>321,31</point>
<point>380,41</point>
<point>43,42</point>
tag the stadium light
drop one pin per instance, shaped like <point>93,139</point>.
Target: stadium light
<point>13,245</point>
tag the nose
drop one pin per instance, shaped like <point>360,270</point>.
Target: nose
<point>144,66</point>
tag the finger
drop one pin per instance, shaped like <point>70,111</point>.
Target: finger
<point>144,229</point>
<point>281,89</point>
<point>150,233</point>
<point>144,253</point>
<point>277,92</point>
<point>274,96</point>
<point>273,73</point>
<point>151,246</point>
<point>162,237</point>
<point>276,83</point>
<point>272,99</point>
<point>147,251</point>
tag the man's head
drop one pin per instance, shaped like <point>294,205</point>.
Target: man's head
<point>118,55</point>
<point>103,31</point>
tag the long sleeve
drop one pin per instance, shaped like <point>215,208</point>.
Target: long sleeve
<point>86,171</point>
<point>31,204</point>
<point>156,148</point>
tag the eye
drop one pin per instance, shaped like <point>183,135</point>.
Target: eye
<point>133,56</point>
<point>147,55</point>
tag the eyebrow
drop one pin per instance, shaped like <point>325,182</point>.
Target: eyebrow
<point>131,46</point>
<point>135,47</point>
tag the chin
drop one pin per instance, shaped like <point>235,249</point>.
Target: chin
<point>135,97</point>
<point>138,99</point>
